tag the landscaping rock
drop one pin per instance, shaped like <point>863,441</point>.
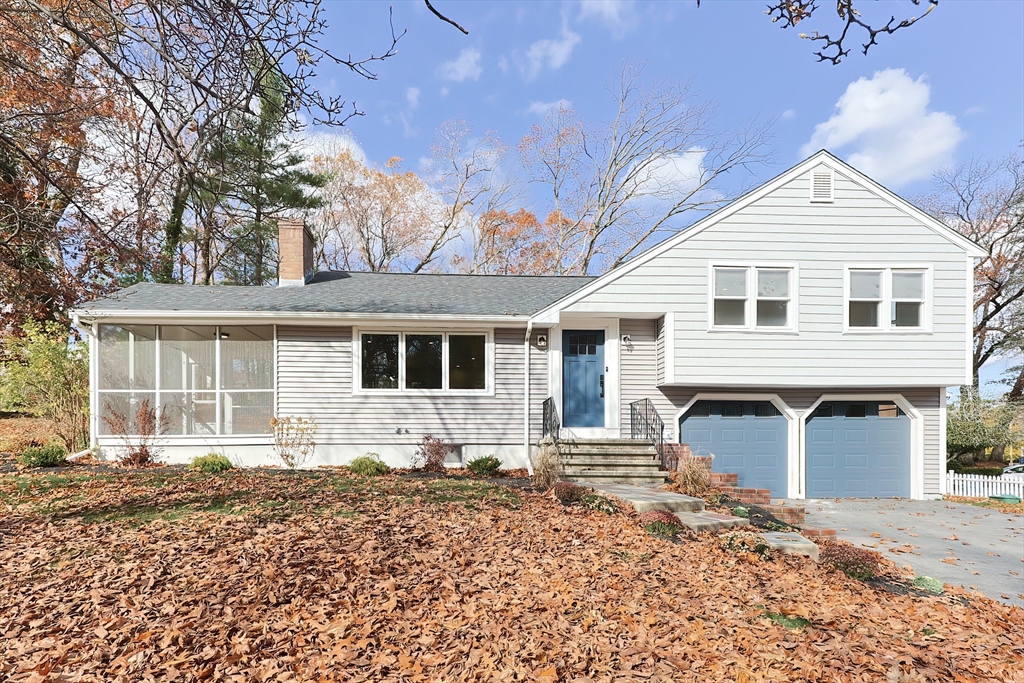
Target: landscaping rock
<point>791,543</point>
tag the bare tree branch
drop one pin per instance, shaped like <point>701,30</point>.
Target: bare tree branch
<point>444,18</point>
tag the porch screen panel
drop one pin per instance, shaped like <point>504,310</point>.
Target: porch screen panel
<point>127,375</point>
<point>188,375</point>
<point>247,378</point>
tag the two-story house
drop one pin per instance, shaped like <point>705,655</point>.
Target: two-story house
<point>805,335</point>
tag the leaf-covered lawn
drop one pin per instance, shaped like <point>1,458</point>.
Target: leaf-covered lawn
<point>327,576</point>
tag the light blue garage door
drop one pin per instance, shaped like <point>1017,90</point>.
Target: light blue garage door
<point>858,450</point>
<point>746,437</point>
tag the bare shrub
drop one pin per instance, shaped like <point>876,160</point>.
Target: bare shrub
<point>857,563</point>
<point>568,493</point>
<point>294,439</point>
<point>692,476</point>
<point>139,434</point>
<point>431,454</point>
<point>547,465</point>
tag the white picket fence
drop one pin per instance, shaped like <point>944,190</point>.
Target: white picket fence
<point>981,486</point>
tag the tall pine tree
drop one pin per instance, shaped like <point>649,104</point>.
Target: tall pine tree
<point>263,179</point>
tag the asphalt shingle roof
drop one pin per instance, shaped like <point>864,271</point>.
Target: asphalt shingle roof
<point>355,292</point>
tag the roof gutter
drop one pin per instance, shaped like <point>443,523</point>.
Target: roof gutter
<point>300,317</point>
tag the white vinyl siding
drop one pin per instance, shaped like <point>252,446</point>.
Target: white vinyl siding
<point>315,379</point>
<point>821,239</point>
<point>638,377</point>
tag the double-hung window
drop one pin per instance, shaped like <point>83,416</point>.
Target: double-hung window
<point>753,297</point>
<point>886,299</point>
<point>424,361</point>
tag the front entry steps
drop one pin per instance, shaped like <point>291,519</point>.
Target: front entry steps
<point>611,460</point>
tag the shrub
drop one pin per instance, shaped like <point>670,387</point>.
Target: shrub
<point>138,434</point>
<point>50,455</point>
<point>929,584</point>
<point>660,522</point>
<point>984,471</point>
<point>485,466</point>
<point>431,454</point>
<point>294,439</point>
<point>692,476</point>
<point>599,503</point>
<point>857,563</point>
<point>741,511</point>
<point>547,466</point>
<point>368,465</point>
<point>211,463</point>
<point>568,493</point>
<point>44,373</point>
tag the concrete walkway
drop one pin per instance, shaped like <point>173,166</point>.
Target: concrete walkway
<point>962,545</point>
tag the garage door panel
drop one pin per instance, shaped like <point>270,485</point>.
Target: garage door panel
<point>861,456</point>
<point>750,439</point>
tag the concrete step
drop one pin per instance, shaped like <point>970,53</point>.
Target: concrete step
<point>617,476</point>
<point>643,498</point>
<point>571,456</point>
<point>647,452</point>
<point>791,543</point>
<point>710,521</point>
<point>621,462</point>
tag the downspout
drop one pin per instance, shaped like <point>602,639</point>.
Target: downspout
<point>526,397</point>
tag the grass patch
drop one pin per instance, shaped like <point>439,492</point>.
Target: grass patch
<point>792,623</point>
<point>1009,508</point>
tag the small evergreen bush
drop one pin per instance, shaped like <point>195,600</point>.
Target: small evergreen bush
<point>857,563</point>
<point>929,584</point>
<point>50,455</point>
<point>211,463</point>
<point>369,465</point>
<point>599,503</point>
<point>484,466</point>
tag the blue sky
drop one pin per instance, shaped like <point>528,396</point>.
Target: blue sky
<point>940,92</point>
<point>946,89</point>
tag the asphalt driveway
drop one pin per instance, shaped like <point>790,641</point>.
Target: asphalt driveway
<point>962,545</point>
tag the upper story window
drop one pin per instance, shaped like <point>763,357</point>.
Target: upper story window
<point>424,361</point>
<point>753,297</point>
<point>879,299</point>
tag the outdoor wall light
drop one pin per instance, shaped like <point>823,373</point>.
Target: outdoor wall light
<point>542,341</point>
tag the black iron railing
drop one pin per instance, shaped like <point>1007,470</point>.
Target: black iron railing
<point>646,424</point>
<point>551,424</point>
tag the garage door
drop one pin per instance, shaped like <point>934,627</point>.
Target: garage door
<point>746,437</point>
<point>858,450</point>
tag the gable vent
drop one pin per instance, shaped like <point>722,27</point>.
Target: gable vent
<point>822,185</point>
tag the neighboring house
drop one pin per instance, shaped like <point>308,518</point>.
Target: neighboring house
<point>805,334</point>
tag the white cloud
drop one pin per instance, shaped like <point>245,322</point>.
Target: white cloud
<point>616,15</point>
<point>788,114</point>
<point>464,67</point>
<point>551,53</point>
<point>542,108</point>
<point>886,122</point>
<point>444,92</point>
<point>412,96</point>
<point>326,144</point>
<point>972,111</point>
<point>679,173</point>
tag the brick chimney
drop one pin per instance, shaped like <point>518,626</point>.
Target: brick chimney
<point>295,246</point>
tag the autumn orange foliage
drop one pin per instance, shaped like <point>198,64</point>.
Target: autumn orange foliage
<point>324,576</point>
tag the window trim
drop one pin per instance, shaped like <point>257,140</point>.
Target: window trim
<point>885,325</point>
<point>357,361</point>
<point>750,309</point>
<point>158,391</point>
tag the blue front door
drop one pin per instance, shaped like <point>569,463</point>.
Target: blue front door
<point>583,378</point>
